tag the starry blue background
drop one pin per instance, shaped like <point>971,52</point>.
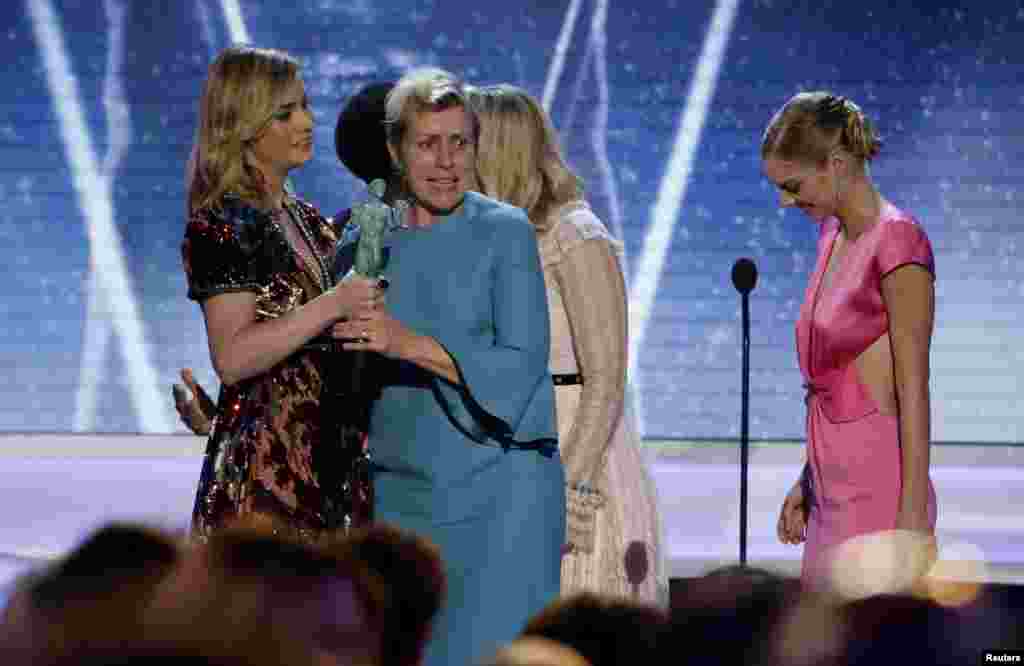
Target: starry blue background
<point>941,79</point>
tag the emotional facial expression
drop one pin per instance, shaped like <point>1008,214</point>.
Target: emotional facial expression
<point>437,154</point>
<point>287,141</point>
<point>807,187</point>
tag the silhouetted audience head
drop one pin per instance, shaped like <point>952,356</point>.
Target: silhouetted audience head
<point>97,593</point>
<point>606,631</point>
<point>906,629</point>
<point>258,579</point>
<point>112,558</point>
<point>21,627</point>
<point>130,595</point>
<point>412,573</point>
<point>737,615</point>
<point>216,644</point>
<point>729,615</point>
<point>536,651</point>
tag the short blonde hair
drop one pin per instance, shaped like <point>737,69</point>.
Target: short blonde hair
<point>811,125</point>
<point>518,157</point>
<point>243,86</point>
<point>424,89</point>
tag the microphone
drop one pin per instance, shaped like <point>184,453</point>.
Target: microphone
<point>744,275</point>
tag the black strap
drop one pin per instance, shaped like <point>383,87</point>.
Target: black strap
<point>487,425</point>
<point>567,379</point>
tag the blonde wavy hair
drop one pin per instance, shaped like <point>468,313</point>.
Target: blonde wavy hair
<point>518,156</point>
<point>811,125</point>
<point>242,89</point>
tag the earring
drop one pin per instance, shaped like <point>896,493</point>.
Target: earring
<point>837,181</point>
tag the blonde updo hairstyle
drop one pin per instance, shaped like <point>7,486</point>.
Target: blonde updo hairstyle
<point>423,89</point>
<point>518,159</point>
<point>813,124</point>
<point>242,90</point>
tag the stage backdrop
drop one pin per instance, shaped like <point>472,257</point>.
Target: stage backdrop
<point>660,105</point>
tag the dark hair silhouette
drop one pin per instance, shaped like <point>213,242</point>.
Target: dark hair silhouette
<point>360,138</point>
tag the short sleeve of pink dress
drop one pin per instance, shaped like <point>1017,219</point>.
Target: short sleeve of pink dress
<point>853,449</point>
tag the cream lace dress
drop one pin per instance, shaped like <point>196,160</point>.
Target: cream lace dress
<point>613,527</point>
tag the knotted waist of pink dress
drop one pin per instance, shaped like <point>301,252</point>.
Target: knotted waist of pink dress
<point>840,394</point>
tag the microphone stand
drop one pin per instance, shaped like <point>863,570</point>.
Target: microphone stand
<point>744,277</point>
<point>744,424</point>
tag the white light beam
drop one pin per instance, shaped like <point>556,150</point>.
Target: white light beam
<point>597,45</point>
<point>677,176</point>
<point>236,23</point>
<point>94,197</point>
<point>95,342</point>
<point>98,331</point>
<point>558,61</point>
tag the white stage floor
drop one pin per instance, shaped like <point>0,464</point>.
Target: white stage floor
<point>54,489</point>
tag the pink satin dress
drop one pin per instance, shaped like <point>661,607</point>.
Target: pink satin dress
<point>853,449</point>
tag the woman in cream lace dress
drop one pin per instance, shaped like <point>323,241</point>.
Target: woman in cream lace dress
<point>614,541</point>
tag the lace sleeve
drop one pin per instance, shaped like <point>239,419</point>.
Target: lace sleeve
<point>593,290</point>
<point>576,224</point>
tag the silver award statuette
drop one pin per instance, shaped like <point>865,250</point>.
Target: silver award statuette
<point>373,217</point>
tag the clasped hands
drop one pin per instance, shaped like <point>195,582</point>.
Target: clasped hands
<point>370,327</point>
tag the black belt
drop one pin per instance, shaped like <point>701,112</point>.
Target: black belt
<point>567,380</point>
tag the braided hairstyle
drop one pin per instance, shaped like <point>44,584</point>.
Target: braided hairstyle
<point>811,125</point>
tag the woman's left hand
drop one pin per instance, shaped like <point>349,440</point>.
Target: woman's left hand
<point>922,549</point>
<point>373,329</point>
<point>195,407</point>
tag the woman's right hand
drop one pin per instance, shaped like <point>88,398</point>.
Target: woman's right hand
<point>792,524</point>
<point>355,293</point>
<point>244,345</point>
<point>195,407</point>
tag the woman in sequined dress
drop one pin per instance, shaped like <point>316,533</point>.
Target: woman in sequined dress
<point>360,142</point>
<point>613,535</point>
<point>256,259</point>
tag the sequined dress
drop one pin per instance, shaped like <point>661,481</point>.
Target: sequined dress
<point>272,460</point>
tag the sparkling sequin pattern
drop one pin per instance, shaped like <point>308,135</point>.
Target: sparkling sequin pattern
<point>265,454</point>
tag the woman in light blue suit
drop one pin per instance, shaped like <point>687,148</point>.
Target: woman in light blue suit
<point>463,436</point>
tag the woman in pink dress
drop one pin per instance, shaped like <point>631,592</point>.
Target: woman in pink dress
<point>863,338</point>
